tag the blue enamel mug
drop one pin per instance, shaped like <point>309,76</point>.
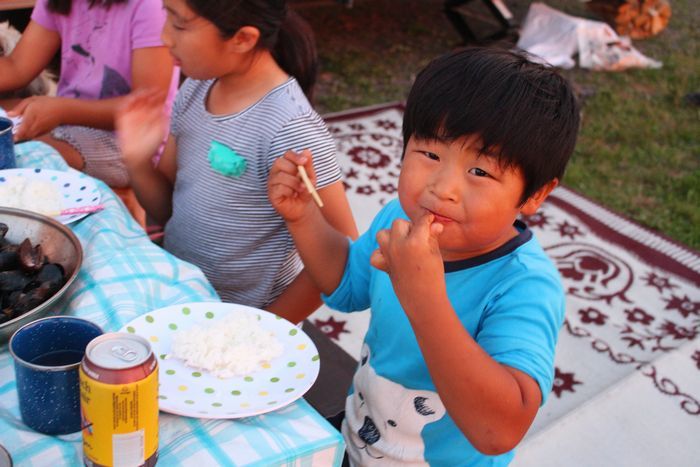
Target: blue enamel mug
<point>7,145</point>
<point>47,353</point>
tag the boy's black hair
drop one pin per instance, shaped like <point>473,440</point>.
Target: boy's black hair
<point>62,7</point>
<point>525,113</point>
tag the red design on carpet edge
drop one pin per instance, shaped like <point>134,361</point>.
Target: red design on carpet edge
<point>689,404</point>
<point>591,273</point>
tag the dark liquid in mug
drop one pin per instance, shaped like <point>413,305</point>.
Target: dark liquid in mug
<point>58,358</point>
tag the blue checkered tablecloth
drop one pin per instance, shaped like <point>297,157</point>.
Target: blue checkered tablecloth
<point>123,276</point>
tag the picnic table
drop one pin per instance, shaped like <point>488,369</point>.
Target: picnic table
<point>123,276</point>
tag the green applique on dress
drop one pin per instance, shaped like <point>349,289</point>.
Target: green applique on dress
<point>225,160</point>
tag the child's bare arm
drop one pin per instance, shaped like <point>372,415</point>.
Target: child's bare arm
<point>322,248</point>
<point>154,185</point>
<point>32,54</point>
<point>298,301</point>
<point>141,126</point>
<point>492,404</point>
<point>152,68</point>
<point>336,209</point>
<point>41,114</point>
<point>302,297</point>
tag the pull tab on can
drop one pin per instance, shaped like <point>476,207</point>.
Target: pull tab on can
<point>124,353</point>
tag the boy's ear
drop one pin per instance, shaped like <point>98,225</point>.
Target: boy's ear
<point>533,203</point>
<point>245,39</point>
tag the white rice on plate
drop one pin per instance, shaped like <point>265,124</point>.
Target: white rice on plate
<point>234,346</point>
<point>31,195</point>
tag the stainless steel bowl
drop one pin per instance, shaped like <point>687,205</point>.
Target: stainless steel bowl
<point>59,244</point>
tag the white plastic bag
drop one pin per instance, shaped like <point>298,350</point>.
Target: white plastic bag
<point>549,35</point>
<point>600,48</point>
<point>555,38</point>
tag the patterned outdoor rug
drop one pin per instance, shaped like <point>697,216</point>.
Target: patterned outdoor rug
<point>627,386</point>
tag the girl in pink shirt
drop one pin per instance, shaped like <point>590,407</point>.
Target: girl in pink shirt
<point>108,48</point>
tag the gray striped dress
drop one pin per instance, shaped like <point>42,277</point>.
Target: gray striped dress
<point>225,224</point>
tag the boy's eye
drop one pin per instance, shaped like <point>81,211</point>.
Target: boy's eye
<point>431,156</point>
<point>478,172</point>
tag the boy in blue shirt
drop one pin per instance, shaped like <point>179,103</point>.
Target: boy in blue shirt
<point>466,306</point>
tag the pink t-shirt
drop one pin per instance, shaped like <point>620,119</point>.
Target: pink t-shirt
<point>96,45</point>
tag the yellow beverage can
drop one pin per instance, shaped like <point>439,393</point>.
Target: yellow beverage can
<point>119,401</point>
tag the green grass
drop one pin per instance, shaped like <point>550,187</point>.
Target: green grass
<point>639,148</point>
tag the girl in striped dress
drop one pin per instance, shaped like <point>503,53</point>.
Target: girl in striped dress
<point>251,67</point>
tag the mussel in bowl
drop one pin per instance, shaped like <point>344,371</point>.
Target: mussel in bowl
<point>39,259</point>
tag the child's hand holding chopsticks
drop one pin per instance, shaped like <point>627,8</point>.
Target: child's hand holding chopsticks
<point>291,185</point>
<point>309,186</point>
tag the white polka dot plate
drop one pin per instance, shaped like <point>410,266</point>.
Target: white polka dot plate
<point>75,189</point>
<point>194,392</point>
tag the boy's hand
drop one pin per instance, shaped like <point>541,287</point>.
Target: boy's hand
<point>285,188</point>
<point>410,254</point>
<point>40,114</point>
<point>141,126</point>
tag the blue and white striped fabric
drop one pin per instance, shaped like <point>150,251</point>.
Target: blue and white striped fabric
<point>123,276</point>
<point>226,224</point>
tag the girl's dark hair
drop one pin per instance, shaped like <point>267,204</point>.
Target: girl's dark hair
<point>62,7</point>
<point>282,31</point>
<point>525,113</point>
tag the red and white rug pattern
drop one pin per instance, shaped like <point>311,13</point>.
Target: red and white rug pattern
<point>633,297</point>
